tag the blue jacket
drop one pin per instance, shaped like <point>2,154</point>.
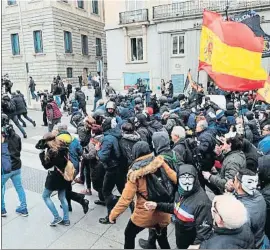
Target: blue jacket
<point>192,121</point>
<point>231,120</point>
<point>109,154</point>
<point>264,145</point>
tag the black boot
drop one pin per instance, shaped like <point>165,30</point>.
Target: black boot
<point>105,220</point>
<point>144,244</point>
<point>85,205</point>
<point>99,202</point>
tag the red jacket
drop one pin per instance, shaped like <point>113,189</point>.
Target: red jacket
<point>55,114</point>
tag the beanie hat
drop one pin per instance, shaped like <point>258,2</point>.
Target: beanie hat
<point>220,113</point>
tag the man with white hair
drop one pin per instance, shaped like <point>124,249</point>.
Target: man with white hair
<point>230,228</point>
<point>178,136</point>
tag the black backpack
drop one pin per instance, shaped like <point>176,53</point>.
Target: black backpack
<point>159,187</point>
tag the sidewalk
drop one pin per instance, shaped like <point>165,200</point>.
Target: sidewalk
<point>85,232</point>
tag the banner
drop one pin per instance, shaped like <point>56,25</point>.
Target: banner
<point>130,79</point>
<point>252,20</point>
<point>264,93</point>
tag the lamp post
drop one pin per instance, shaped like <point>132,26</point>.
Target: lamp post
<point>101,65</point>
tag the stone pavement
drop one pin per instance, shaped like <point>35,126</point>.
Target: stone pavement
<point>34,232</point>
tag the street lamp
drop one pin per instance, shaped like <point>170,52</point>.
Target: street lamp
<point>102,64</point>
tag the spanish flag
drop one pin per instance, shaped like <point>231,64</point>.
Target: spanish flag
<point>263,94</point>
<point>231,54</point>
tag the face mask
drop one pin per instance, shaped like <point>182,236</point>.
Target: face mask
<point>186,182</point>
<point>249,183</point>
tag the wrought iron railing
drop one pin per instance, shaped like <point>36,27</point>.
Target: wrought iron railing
<point>196,7</point>
<point>133,16</point>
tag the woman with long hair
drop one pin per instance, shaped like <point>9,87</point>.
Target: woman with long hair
<point>55,158</point>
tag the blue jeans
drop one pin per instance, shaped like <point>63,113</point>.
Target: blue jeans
<point>95,102</point>
<point>16,179</point>
<point>34,96</point>
<point>62,197</point>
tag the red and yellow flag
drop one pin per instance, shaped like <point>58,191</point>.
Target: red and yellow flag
<point>231,54</point>
<point>263,94</point>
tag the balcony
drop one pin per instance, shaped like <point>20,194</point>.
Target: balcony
<point>134,16</point>
<point>195,7</point>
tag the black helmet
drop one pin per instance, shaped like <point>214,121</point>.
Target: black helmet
<point>250,115</point>
<point>181,97</point>
<point>112,97</point>
<point>77,88</point>
<point>50,98</point>
<point>5,97</point>
<point>4,120</point>
<point>138,100</point>
<point>163,99</point>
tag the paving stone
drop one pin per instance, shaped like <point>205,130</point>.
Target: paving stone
<point>75,238</point>
<point>105,243</point>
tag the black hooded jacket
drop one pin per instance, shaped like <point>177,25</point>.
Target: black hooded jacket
<point>20,104</point>
<point>161,144</point>
<point>193,212</point>
<point>126,144</point>
<point>251,154</point>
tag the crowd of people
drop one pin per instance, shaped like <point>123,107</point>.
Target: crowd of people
<point>168,157</point>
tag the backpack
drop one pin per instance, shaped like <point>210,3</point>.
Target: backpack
<point>159,187</point>
<point>172,161</point>
<point>69,173</point>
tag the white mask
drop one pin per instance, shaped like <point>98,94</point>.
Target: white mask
<point>261,115</point>
<point>249,183</point>
<point>186,181</point>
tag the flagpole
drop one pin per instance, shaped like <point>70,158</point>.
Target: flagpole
<point>254,103</point>
<point>242,115</point>
<point>226,10</point>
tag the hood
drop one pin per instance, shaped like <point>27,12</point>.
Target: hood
<point>132,137</point>
<point>140,149</point>
<point>264,169</point>
<point>155,124</point>
<point>161,142</point>
<point>188,169</point>
<point>125,114</point>
<point>65,136</point>
<point>150,168</point>
<point>116,132</point>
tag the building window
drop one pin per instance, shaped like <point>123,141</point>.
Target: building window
<point>80,4</point>
<point>38,44</point>
<point>69,73</point>
<point>68,42</point>
<point>178,45</point>
<point>98,47</point>
<point>15,44</point>
<point>11,2</point>
<point>136,49</point>
<point>84,41</point>
<point>95,6</point>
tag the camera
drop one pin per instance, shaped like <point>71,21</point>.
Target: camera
<point>42,144</point>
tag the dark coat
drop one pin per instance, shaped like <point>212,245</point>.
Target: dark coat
<point>32,85</point>
<point>256,207</point>
<point>206,149</point>
<point>15,148</point>
<point>126,144</point>
<point>80,97</point>
<point>223,238</point>
<point>109,154</point>
<point>231,164</point>
<point>144,134</point>
<point>55,181</point>
<point>193,213</point>
<point>251,154</point>
<point>264,175</point>
<point>184,153</point>
<point>20,105</point>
